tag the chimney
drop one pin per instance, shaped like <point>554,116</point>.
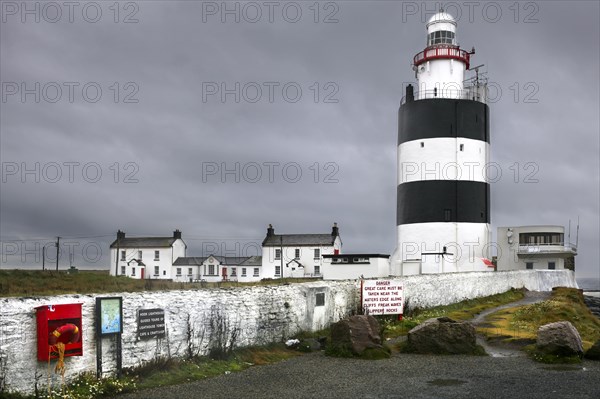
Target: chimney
<point>270,231</point>
<point>177,234</point>
<point>120,235</point>
<point>335,231</point>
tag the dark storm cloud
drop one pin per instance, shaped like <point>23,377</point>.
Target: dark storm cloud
<point>172,133</point>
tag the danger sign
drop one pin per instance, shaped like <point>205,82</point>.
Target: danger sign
<point>381,297</point>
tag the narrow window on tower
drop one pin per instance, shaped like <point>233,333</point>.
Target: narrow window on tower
<point>462,147</point>
<point>422,144</point>
<point>447,215</point>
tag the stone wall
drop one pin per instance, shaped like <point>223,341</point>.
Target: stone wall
<point>253,315</point>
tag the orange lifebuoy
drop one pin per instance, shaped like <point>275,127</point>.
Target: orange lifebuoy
<point>67,334</point>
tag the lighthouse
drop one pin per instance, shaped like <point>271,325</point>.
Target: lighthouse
<point>443,193</point>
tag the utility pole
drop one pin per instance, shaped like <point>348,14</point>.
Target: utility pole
<point>57,251</point>
<point>117,255</point>
<point>44,257</point>
<point>281,250</point>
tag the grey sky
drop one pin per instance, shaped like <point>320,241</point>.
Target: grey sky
<point>544,58</point>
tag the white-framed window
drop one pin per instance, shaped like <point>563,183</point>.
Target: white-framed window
<point>133,271</point>
<point>277,270</point>
<point>122,270</point>
<point>139,255</point>
<point>256,272</point>
<point>156,255</point>
<point>317,253</point>
<point>178,271</point>
<point>297,253</point>
<point>233,272</point>
<point>317,269</point>
<point>211,270</point>
<point>277,253</point>
<point>156,270</point>
<point>122,255</point>
<point>190,271</point>
<point>243,272</point>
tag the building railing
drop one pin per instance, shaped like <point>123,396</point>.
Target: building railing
<point>442,53</point>
<point>546,248</point>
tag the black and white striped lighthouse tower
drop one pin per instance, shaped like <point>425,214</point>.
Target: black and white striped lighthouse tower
<point>443,210</point>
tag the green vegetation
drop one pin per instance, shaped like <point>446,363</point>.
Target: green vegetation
<point>521,323</point>
<point>464,310</point>
<point>41,283</point>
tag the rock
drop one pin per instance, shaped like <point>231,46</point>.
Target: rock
<point>594,352</point>
<point>443,335</point>
<point>355,335</point>
<point>560,338</point>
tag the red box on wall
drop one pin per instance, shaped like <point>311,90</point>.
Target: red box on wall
<point>59,323</point>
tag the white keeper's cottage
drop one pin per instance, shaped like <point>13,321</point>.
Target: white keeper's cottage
<point>297,255</point>
<point>145,257</point>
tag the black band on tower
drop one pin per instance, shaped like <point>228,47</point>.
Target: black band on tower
<point>432,118</point>
<point>443,201</point>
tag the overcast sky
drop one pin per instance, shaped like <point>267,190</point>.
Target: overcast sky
<point>160,98</point>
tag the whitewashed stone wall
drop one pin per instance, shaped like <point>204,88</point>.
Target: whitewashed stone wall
<point>262,315</point>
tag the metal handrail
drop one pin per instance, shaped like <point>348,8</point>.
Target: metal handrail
<point>475,93</point>
<point>442,53</point>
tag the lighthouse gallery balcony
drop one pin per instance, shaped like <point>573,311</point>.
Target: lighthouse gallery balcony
<point>433,53</point>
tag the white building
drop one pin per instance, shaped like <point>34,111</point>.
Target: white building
<point>534,247</point>
<point>355,266</point>
<point>217,268</point>
<point>297,255</point>
<point>145,257</point>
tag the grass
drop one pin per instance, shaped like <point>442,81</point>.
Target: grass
<point>522,322</point>
<point>42,283</point>
<point>464,310</point>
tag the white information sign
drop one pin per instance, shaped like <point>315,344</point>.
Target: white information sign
<point>381,297</point>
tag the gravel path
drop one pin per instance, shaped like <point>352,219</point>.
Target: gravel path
<point>403,376</point>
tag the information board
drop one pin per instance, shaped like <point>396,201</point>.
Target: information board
<point>110,315</point>
<point>151,323</point>
<point>380,297</point>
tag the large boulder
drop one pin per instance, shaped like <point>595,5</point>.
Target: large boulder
<point>560,338</point>
<point>355,335</point>
<point>442,335</point>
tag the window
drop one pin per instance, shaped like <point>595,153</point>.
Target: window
<point>164,272</point>
<point>190,271</point>
<point>139,255</point>
<point>179,271</point>
<point>297,253</point>
<point>278,270</point>
<point>122,255</point>
<point>461,147</point>
<point>211,270</point>
<point>440,37</point>
<point>256,272</point>
<point>422,144</point>
<point>529,265</point>
<point>320,299</point>
<point>278,253</point>
<point>233,272</point>
<point>317,253</point>
<point>551,265</point>
<point>317,269</point>
<point>122,270</point>
<point>156,270</point>
<point>243,272</point>
<point>156,255</point>
<point>133,271</point>
<point>447,215</point>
